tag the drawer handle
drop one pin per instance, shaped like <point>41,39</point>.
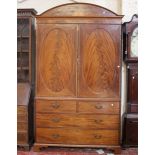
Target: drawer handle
<point>97,120</point>
<point>98,106</point>
<point>55,105</point>
<point>55,136</point>
<point>97,136</point>
<point>55,120</point>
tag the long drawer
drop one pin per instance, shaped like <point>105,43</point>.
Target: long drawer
<point>77,136</point>
<point>99,107</point>
<point>78,120</point>
<point>46,106</point>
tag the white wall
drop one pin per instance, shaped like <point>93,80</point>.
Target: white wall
<point>124,7</point>
<point>43,5</point>
<point>129,7</point>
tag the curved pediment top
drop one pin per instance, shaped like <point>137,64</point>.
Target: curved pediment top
<point>79,10</point>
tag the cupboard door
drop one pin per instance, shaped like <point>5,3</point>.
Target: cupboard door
<point>99,60</point>
<point>133,87</point>
<point>56,65</point>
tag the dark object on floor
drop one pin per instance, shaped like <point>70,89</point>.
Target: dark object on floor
<point>130,136</point>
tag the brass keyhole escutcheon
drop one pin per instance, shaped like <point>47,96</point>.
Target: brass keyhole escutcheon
<point>97,136</point>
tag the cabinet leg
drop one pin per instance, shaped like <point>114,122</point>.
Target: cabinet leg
<point>38,148</point>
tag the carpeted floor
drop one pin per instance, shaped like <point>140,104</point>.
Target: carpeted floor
<point>72,151</point>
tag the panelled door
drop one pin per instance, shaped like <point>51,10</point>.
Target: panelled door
<point>57,48</point>
<point>99,60</point>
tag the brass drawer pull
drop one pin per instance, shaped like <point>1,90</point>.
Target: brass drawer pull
<point>55,105</point>
<point>98,121</point>
<point>55,136</point>
<point>55,120</point>
<point>98,106</point>
<point>97,136</point>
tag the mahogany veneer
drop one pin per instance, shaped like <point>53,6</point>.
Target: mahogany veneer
<point>78,72</point>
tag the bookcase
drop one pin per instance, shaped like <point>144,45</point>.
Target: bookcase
<point>25,45</point>
<point>25,76</point>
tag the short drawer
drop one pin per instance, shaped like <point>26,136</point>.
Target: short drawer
<point>22,137</point>
<point>77,136</point>
<point>22,126</point>
<point>78,120</point>
<point>55,106</point>
<point>99,107</point>
<point>22,110</point>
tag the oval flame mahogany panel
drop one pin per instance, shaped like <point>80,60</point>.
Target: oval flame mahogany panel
<point>98,68</point>
<point>57,61</point>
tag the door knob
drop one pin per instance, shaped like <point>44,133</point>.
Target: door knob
<point>112,104</point>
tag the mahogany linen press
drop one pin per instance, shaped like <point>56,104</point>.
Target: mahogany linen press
<point>78,77</point>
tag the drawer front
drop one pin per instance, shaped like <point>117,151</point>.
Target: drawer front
<point>78,120</point>
<point>22,137</point>
<point>77,136</point>
<point>22,110</point>
<point>21,118</point>
<point>21,126</point>
<point>55,106</point>
<point>99,107</point>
